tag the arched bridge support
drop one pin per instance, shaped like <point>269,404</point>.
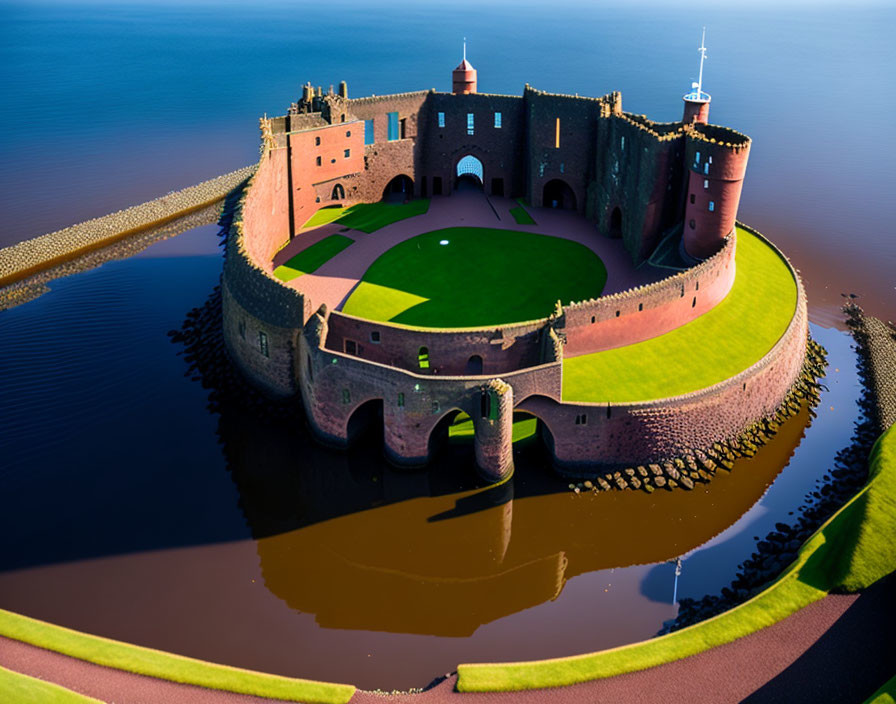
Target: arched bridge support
<point>493,431</point>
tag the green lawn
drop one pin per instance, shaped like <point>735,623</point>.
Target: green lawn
<point>524,426</point>
<point>368,217</point>
<point>853,549</point>
<point>714,347</point>
<point>23,689</point>
<point>481,277</point>
<point>167,666</point>
<point>313,258</point>
<point>521,216</point>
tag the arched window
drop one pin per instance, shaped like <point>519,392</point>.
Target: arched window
<point>474,365</point>
<point>423,357</point>
<point>338,192</point>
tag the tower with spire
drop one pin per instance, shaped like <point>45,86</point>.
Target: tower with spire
<point>463,78</point>
<point>696,103</point>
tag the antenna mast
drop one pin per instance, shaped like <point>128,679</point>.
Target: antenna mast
<point>465,48</point>
<point>702,51</point>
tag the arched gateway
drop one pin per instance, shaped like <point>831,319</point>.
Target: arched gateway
<point>469,171</point>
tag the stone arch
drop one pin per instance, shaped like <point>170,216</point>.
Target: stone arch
<point>338,192</point>
<point>615,228</point>
<point>438,434</point>
<point>469,173</point>
<point>399,189</point>
<point>558,194</point>
<point>474,366</point>
<point>541,407</point>
<point>365,418</point>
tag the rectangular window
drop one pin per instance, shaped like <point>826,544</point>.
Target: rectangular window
<point>392,130</point>
<point>469,123</point>
<point>498,120</point>
<point>622,143</point>
<point>557,134</point>
<point>263,343</point>
<point>441,119</point>
<point>317,141</point>
<point>403,131</point>
<point>347,153</point>
<point>400,400</point>
<point>697,158</point>
<point>351,347</point>
<point>435,406</point>
<point>706,168</point>
<point>318,161</point>
<point>368,132</point>
<point>712,206</point>
<point>374,335</point>
<point>346,396</point>
<point>705,183</point>
<point>693,198</point>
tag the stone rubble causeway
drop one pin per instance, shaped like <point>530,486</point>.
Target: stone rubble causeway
<point>40,253</point>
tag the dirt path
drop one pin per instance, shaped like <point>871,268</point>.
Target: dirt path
<point>839,649</point>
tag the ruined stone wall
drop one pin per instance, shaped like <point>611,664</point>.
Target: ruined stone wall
<point>648,311</point>
<point>498,148</point>
<point>640,433</point>
<point>501,349</point>
<point>572,162</point>
<point>639,169</point>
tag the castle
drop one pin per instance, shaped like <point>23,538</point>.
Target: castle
<point>650,185</point>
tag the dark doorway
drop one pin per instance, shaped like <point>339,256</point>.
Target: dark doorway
<point>423,192</point>
<point>616,223</point>
<point>474,365</point>
<point>558,194</point>
<point>468,182</point>
<point>399,189</point>
<point>497,186</point>
<point>366,420</point>
<point>338,192</point>
<point>437,185</point>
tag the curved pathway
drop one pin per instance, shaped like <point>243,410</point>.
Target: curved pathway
<point>334,281</point>
<point>838,649</point>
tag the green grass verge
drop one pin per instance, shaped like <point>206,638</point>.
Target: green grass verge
<point>311,259</point>
<point>885,695</point>
<point>368,217</point>
<point>826,561</point>
<point>22,689</point>
<point>167,666</point>
<point>524,426</point>
<point>718,345</point>
<point>521,216</point>
<point>481,277</point>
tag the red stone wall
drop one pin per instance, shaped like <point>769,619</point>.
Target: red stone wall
<point>266,208</point>
<point>695,111</point>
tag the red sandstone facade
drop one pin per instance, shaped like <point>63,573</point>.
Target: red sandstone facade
<point>637,180</point>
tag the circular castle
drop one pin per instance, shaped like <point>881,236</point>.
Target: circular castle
<point>697,329</point>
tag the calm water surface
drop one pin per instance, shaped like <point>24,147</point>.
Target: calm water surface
<point>129,510</point>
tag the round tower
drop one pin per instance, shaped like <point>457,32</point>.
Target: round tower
<point>716,158</point>
<point>696,103</point>
<point>463,78</point>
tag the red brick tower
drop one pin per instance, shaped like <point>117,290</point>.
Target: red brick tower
<point>716,158</point>
<point>463,78</point>
<point>696,103</point>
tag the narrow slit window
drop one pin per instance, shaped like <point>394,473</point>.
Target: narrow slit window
<point>347,153</point>
<point>263,343</point>
<point>706,168</point>
<point>557,134</point>
<point>697,158</point>
<point>243,329</point>
<point>401,400</point>
<point>318,161</point>
<point>497,120</point>
<point>470,123</point>
<point>705,184</point>
<point>622,143</point>
<point>441,119</point>
<point>317,141</point>
<point>346,396</point>
<point>712,205</point>
<point>693,199</point>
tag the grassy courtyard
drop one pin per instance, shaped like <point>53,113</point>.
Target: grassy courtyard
<point>474,276</point>
<point>311,259</point>
<point>368,217</point>
<point>714,347</point>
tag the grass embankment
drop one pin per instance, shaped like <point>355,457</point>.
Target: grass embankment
<point>718,345</point>
<point>852,550</point>
<point>311,259</point>
<point>368,217</point>
<point>524,426</point>
<point>167,666</point>
<point>885,695</point>
<point>521,215</point>
<point>480,277</point>
<point>23,689</point>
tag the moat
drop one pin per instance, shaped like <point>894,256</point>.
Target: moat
<point>136,510</point>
